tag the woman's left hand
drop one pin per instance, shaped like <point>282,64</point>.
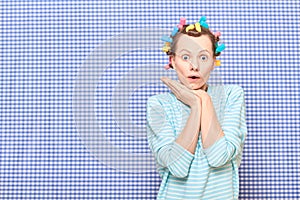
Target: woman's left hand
<point>176,87</point>
<point>181,92</point>
<point>203,95</point>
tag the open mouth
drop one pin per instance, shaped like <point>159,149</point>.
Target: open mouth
<point>194,77</point>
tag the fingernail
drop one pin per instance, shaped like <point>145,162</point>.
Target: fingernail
<point>163,79</point>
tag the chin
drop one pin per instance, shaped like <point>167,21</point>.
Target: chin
<point>193,86</point>
<point>196,86</point>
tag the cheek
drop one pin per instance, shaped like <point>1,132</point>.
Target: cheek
<point>206,71</point>
<point>181,72</point>
<point>181,67</point>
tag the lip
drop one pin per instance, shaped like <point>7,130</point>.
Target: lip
<point>196,76</point>
<point>193,78</point>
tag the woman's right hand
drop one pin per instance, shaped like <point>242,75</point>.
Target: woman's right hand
<point>182,93</point>
<point>201,94</point>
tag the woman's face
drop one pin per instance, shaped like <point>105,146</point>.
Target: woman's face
<point>193,60</point>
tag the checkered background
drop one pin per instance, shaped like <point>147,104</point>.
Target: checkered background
<point>72,97</point>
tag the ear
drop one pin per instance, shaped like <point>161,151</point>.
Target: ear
<point>172,61</point>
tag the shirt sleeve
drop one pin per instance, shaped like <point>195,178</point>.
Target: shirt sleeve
<point>234,127</point>
<point>161,139</point>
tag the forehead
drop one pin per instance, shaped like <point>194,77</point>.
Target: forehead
<point>194,44</point>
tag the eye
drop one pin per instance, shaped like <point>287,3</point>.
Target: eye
<point>185,57</point>
<point>203,58</point>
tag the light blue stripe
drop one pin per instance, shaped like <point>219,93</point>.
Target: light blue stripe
<point>210,173</point>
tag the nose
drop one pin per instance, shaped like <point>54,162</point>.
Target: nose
<point>194,65</point>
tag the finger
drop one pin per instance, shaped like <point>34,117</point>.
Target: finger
<point>165,78</point>
<point>198,93</point>
<point>174,89</point>
<point>169,83</point>
<point>178,85</point>
<point>165,81</point>
<point>201,92</point>
<point>182,87</point>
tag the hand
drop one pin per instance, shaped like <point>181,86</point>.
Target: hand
<point>182,93</point>
<point>202,94</point>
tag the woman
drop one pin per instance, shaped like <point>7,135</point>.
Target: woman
<point>196,153</point>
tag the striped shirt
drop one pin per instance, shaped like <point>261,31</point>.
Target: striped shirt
<point>210,173</point>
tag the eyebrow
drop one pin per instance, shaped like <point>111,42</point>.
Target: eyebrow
<point>205,50</point>
<point>184,50</point>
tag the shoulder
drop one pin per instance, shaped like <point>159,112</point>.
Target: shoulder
<point>235,95</point>
<point>226,91</point>
<point>234,90</point>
